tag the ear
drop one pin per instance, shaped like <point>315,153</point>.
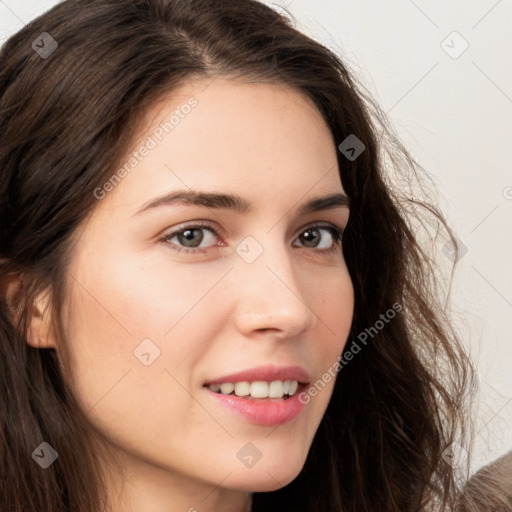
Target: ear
<point>40,333</point>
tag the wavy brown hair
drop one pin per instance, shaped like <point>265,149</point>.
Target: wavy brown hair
<point>68,119</point>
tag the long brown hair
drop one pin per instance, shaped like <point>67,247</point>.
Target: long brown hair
<point>67,118</point>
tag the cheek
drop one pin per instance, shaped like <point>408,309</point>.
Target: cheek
<point>125,312</point>
<point>132,298</point>
<point>121,367</point>
<point>334,310</point>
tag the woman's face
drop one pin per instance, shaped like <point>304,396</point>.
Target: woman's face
<point>154,315</point>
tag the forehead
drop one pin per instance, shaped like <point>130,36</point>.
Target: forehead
<point>250,138</point>
<point>249,119</point>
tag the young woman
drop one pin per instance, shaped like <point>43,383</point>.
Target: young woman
<point>213,295</point>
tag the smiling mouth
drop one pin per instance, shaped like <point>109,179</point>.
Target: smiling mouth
<point>259,390</point>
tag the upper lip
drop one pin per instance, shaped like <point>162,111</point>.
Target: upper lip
<point>264,373</point>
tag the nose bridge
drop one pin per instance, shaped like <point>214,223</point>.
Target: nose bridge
<point>270,296</point>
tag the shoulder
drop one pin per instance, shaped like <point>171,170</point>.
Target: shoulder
<point>490,488</point>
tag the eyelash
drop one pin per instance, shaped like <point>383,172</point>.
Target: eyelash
<point>335,231</point>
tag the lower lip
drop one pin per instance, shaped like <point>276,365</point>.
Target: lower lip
<point>261,411</point>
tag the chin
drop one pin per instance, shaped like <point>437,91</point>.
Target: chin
<point>266,477</point>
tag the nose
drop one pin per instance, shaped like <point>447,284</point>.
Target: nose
<point>269,294</point>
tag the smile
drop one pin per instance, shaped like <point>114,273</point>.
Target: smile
<point>277,389</point>
<point>264,395</point>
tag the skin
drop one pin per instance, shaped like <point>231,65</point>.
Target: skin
<point>292,305</point>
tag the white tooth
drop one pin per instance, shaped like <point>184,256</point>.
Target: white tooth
<point>215,387</point>
<point>242,388</point>
<point>259,389</point>
<point>226,388</point>
<point>275,389</point>
<point>293,387</point>
<point>286,387</point>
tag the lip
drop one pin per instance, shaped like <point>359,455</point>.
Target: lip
<point>267,373</point>
<point>264,411</point>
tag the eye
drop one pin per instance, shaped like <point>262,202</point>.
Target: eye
<point>310,236</point>
<point>190,238</point>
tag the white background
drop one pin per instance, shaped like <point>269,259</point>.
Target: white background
<point>455,117</point>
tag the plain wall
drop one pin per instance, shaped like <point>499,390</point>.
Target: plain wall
<point>453,110</point>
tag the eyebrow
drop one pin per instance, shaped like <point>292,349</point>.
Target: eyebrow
<point>239,204</point>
